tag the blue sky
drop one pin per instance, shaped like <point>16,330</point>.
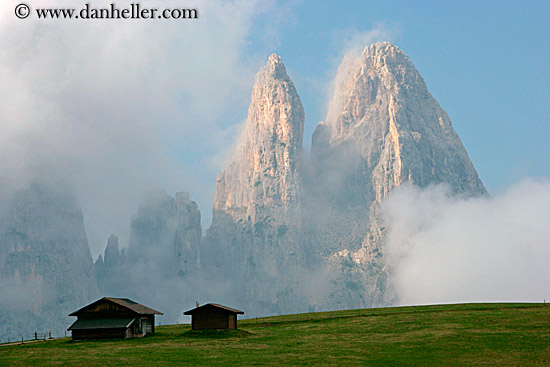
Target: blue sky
<point>117,107</point>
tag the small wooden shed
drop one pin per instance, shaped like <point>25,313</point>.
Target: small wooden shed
<point>109,318</point>
<point>213,316</point>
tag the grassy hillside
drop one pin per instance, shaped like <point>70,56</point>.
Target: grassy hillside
<point>446,335</point>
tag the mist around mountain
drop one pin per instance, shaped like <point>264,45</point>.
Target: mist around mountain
<point>46,269</point>
<point>292,233</point>
<point>366,220</point>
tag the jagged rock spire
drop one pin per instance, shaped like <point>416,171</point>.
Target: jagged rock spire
<point>383,129</point>
<point>382,106</point>
<point>256,218</point>
<point>264,173</point>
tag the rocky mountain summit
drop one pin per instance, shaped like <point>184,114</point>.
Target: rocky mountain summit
<point>313,230</point>
<point>275,214</point>
<point>382,112</point>
<point>263,176</point>
<point>256,217</point>
<point>383,129</point>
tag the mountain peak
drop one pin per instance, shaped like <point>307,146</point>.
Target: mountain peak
<point>384,54</point>
<point>274,58</point>
<point>269,152</point>
<point>381,97</point>
<point>382,47</point>
<point>273,69</point>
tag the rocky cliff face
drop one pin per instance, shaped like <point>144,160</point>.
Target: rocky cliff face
<point>163,253</point>
<point>383,129</point>
<point>46,270</point>
<point>110,269</point>
<point>188,236</point>
<point>263,176</point>
<point>256,217</point>
<point>166,234</point>
<point>276,221</point>
<point>382,108</point>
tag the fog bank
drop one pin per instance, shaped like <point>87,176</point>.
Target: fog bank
<point>116,107</point>
<point>445,249</point>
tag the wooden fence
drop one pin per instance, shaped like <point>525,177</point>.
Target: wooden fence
<point>36,337</point>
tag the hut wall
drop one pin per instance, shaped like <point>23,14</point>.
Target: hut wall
<point>210,319</point>
<point>148,324</point>
<point>232,323</point>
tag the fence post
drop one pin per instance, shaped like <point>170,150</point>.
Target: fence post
<point>49,335</point>
<point>35,335</point>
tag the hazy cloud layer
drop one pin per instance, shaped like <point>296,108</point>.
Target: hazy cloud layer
<point>444,249</point>
<point>116,106</point>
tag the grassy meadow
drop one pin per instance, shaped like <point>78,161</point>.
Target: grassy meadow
<point>442,335</point>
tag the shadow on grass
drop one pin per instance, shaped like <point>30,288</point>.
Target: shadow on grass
<point>216,334</point>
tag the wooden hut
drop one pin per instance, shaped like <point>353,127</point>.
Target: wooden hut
<point>213,316</point>
<point>109,318</point>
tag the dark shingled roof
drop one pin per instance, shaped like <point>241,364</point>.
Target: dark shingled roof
<point>124,302</point>
<point>134,306</point>
<point>213,305</point>
<point>86,324</point>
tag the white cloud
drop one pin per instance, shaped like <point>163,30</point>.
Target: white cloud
<point>445,249</point>
<point>103,103</point>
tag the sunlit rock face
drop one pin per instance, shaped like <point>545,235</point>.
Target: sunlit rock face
<point>298,236</point>
<point>382,107</point>
<point>383,129</point>
<point>263,176</point>
<point>46,269</point>
<point>256,216</point>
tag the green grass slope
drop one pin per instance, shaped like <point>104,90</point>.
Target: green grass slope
<point>443,335</point>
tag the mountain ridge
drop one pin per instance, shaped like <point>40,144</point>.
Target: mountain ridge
<point>291,233</point>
